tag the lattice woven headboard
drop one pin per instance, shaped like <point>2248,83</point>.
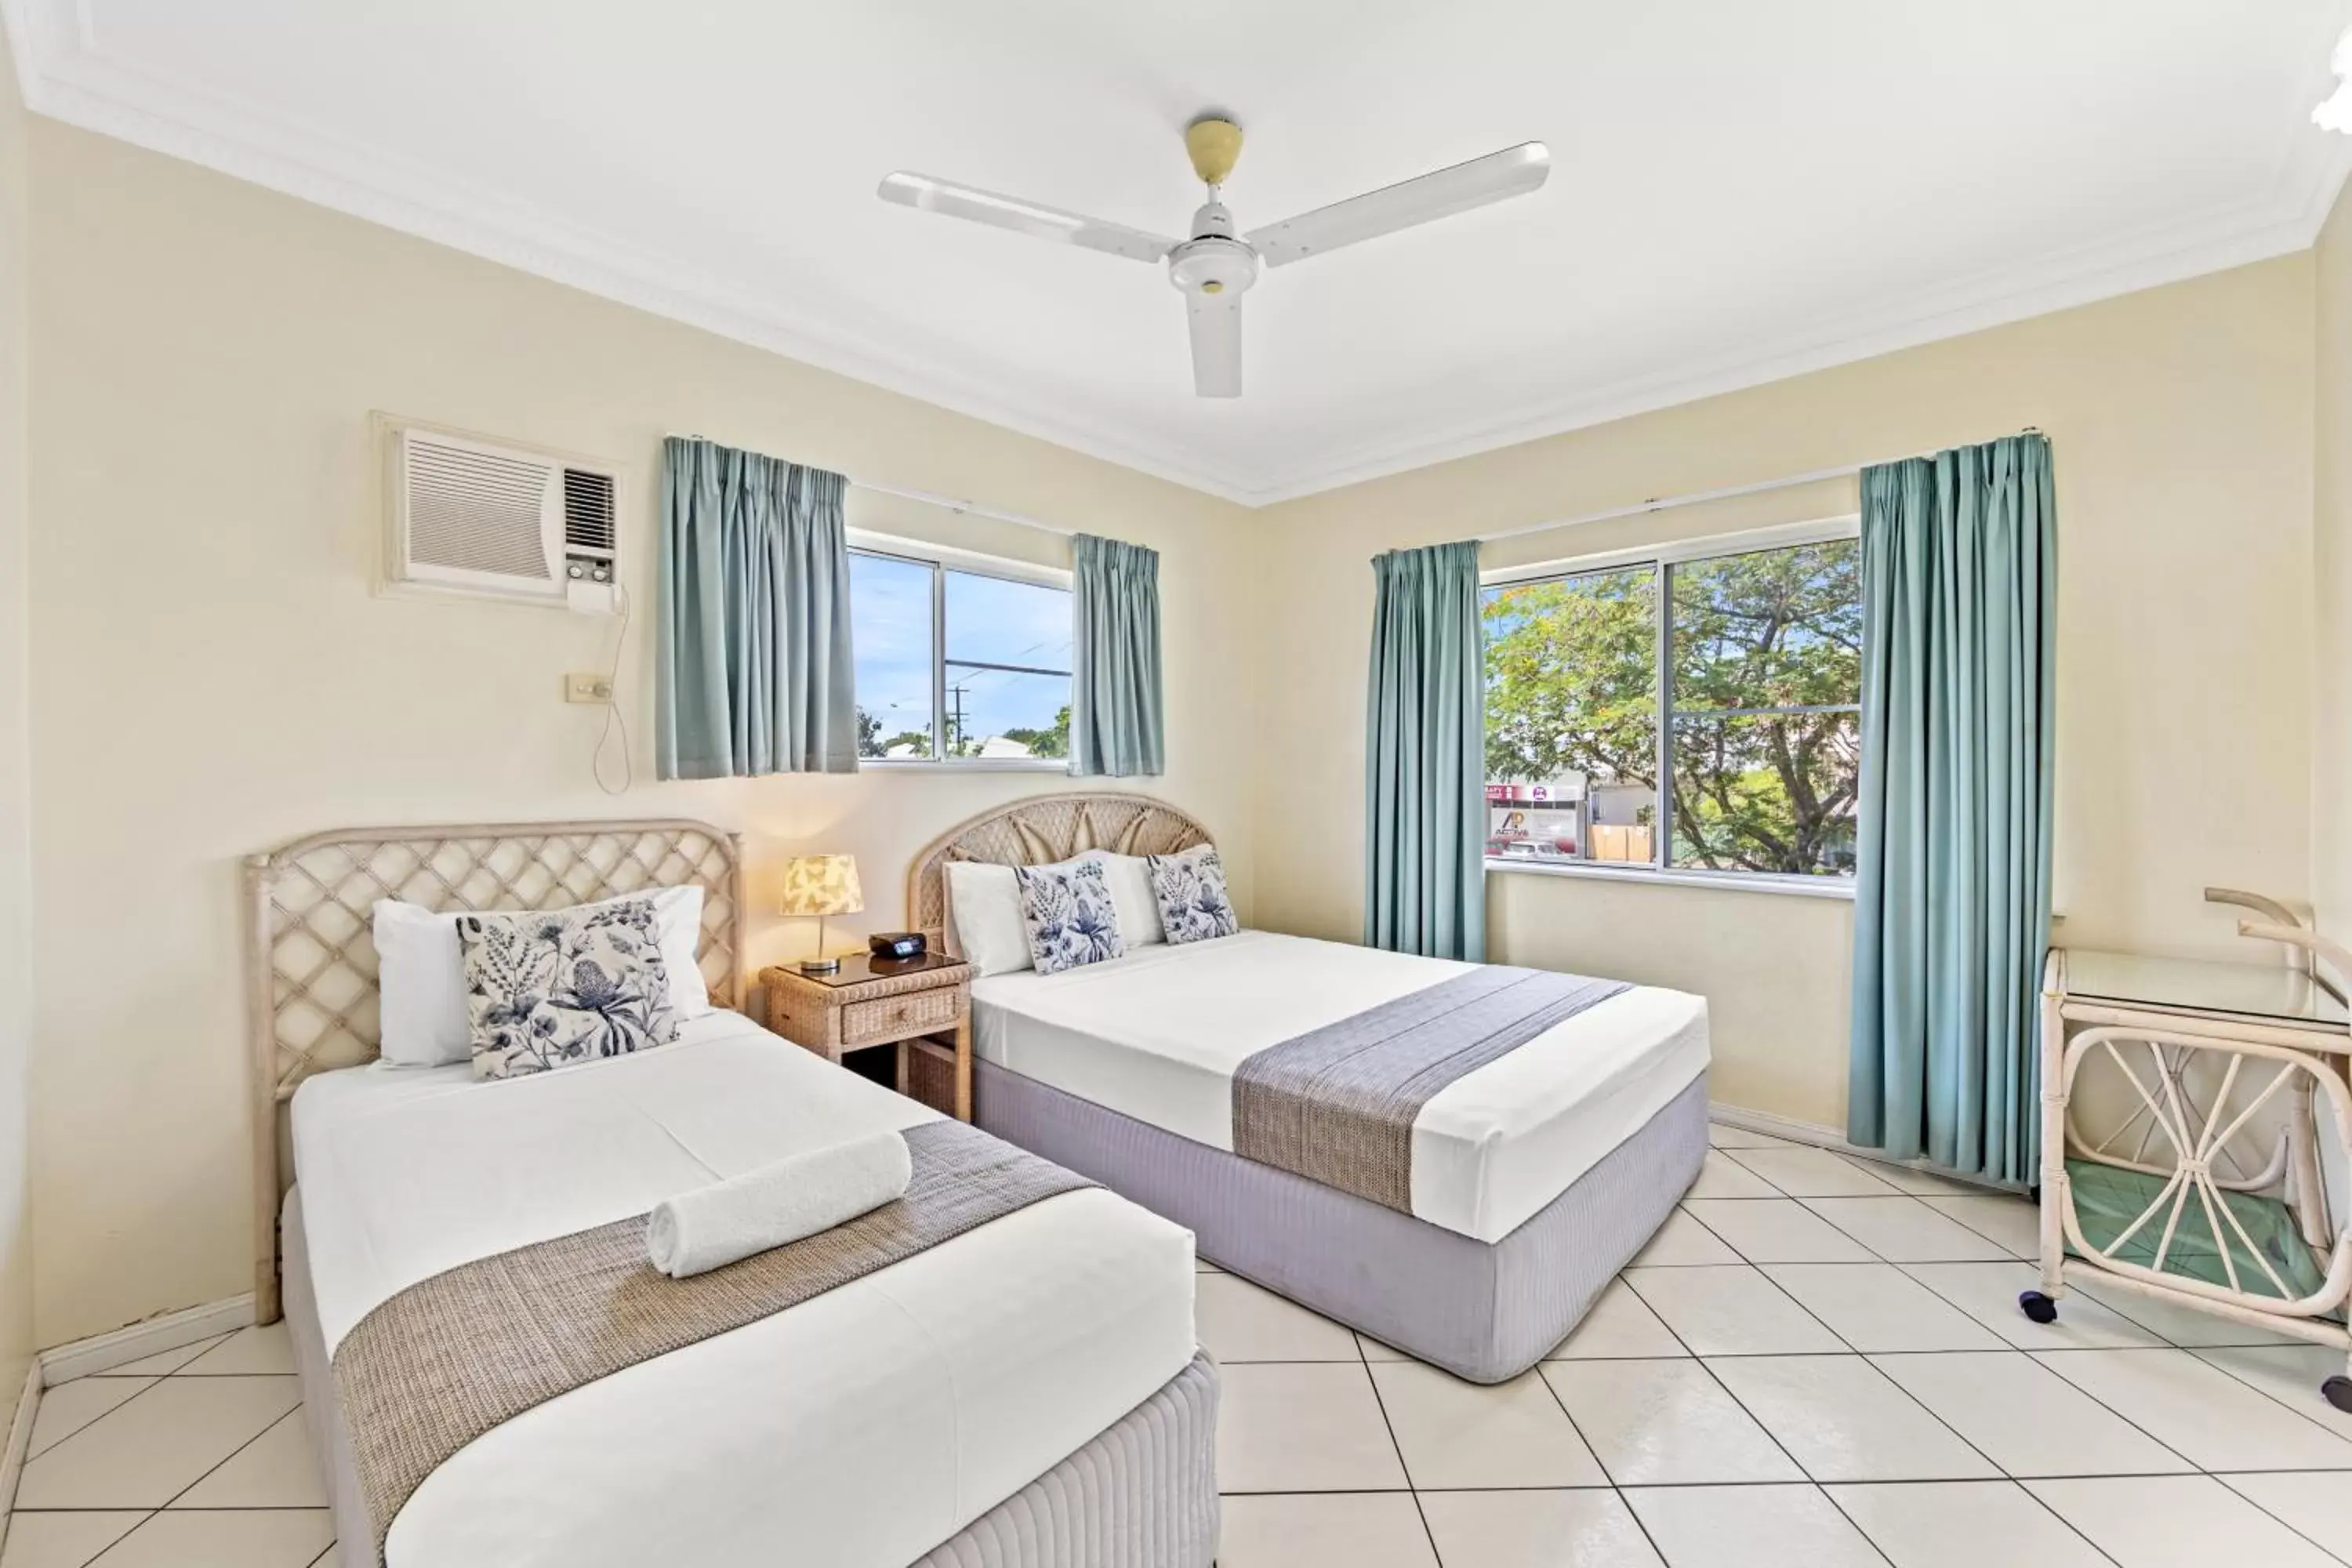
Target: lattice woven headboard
<point>312,962</point>
<point>1038,831</point>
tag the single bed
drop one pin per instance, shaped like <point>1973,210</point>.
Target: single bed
<point>1028,1392</point>
<point>1534,1178</point>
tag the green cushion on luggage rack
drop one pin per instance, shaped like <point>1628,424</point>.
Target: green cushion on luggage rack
<point>2107,1199</point>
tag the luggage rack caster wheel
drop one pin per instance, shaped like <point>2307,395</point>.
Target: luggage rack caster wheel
<point>2042,1310</point>
<point>2338,1390</point>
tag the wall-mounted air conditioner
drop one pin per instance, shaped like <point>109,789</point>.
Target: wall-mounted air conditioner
<point>498,521</point>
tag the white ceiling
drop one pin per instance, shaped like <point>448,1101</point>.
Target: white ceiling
<point>1739,190</point>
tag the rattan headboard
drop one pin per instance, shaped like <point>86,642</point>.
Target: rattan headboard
<point>310,981</point>
<point>1038,831</point>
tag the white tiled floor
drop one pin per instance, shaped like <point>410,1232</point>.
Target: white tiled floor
<point>194,1458</point>
<point>1819,1362</point>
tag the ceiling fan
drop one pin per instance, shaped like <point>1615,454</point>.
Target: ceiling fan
<point>1216,266</point>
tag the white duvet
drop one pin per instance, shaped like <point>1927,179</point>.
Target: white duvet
<point>1157,1034</point>
<point>861,1427</point>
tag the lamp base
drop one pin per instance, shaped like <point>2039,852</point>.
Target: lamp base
<point>820,966</point>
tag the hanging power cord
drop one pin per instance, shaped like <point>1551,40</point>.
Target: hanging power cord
<point>613,720</point>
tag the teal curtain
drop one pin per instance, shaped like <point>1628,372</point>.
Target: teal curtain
<point>1959,560</point>
<point>1424,763</point>
<point>1115,725</point>
<point>755,673</point>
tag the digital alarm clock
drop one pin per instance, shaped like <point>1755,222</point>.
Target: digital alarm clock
<point>896,946</point>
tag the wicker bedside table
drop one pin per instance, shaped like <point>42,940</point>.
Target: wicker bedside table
<point>869,1003</point>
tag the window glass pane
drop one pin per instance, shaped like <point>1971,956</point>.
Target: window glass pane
<point>1773,628</point>
<point>1008,667</point>
<point>1572,717</point>
<point>1766,792</point>
<point>890,624</point>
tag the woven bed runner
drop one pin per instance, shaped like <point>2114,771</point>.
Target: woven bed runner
<point>1337,1105</point>
<point>451,1357</point>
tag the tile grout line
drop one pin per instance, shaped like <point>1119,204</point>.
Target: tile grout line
<point>158,1380</point>
<point>88,1427</point>
<point>1998,1468</point>
<point>1890,1189</point>
<point>1979,1230</point>
<point>200,1349</point>
<point>2194,1466</point>
<point>2163,1343</point>
<point>2002,1469</point>
<point>1616,1490</point>
<point>152,1515</point>
<point>240,1448</point>
<point>1381,1405</point>
<point>2256,1504</point>
<point>1801,1479</point>
<point>2200,1352</point>
<point>1741,1406</point>
<point>2259,1507</point>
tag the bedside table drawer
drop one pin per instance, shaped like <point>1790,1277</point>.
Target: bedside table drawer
<point>894,1017</point>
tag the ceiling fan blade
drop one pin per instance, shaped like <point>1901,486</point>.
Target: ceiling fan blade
<point>937,196</point>
<point>1216,321</point>
<point>1513,172</point>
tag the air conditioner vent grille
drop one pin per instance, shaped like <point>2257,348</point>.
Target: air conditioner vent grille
<point>588,512</point>
<point>477,511</point>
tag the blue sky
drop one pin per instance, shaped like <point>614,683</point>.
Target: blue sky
<point>988,618</point>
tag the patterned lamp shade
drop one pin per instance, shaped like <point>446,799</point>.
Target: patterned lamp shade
<point>821,885</point>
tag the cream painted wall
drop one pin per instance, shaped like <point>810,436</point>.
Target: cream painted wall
<point>2181,422</point>
<point>16,718</point>
<point>2331,728</point>
<point>211,675</point>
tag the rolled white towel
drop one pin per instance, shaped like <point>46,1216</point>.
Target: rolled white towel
<point>713,1226</point>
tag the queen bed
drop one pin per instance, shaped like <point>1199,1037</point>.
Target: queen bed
<point>1025,1392</point>
<point>1527,1182</point>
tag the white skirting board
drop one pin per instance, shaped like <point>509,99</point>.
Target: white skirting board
<point>20,1439</point>
<point>1820,1137</point>
<point>103,1352</point>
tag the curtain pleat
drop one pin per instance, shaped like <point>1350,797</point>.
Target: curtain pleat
<point>1115,718</point>
<point>1952,894</point>
<point>1424,763</point>
<point>754,671</point>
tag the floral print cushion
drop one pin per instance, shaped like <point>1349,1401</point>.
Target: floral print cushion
<point>1194,903</point>
<point>1071,919</point>
<point>549,989</point>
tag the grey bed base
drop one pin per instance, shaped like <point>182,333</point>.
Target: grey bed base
<point>1485,1311</point>
<point>1142,1494</point>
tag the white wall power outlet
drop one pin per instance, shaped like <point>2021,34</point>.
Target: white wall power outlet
<point>592,688</point>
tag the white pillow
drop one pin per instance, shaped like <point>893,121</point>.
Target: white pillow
<point>1131,896</point>
<point>984,902</point>
<point>421,975</point>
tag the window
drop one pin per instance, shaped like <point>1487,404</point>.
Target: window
<point>958,662</point>
<point>1754,659</point>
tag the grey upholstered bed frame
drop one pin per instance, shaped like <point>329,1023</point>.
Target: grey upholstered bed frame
<point>1483,1312</point>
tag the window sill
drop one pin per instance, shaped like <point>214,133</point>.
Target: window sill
<point>1726,882</point>
<point>965,765</point>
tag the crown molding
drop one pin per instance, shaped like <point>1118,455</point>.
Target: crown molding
<point>66,75</point>
<point>2247,235</point>
<point>2310,179</point>
<point>183,120</point>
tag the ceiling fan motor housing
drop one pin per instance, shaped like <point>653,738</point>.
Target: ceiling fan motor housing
<point>1213,261</point>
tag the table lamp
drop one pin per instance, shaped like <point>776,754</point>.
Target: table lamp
<point>821,885</point>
